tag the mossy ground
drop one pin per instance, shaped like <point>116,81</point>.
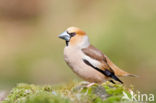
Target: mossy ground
<point>68,93</point>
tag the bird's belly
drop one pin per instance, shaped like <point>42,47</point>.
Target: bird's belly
<point>75,61</point>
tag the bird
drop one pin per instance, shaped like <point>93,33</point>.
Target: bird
<point>88,62</point>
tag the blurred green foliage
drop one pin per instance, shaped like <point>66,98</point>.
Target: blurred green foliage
<point>71,93</point>
<point>31,52</point>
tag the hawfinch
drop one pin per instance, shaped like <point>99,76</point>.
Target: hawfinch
<point>86,61</point>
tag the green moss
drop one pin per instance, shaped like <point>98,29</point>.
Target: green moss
<point>68,93</point>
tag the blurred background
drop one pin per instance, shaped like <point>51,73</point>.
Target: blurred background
<point>31,52</point>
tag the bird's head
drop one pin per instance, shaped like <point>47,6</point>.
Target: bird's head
<point>75,37</point>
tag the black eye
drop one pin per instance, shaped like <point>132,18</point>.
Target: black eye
<point>71,34</point>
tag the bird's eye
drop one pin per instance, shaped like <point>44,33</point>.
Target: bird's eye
<point>71,34</point>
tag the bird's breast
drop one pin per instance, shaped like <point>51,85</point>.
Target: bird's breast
<point>74,58</point>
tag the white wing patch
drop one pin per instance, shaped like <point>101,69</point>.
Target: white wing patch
<point>92,61</point>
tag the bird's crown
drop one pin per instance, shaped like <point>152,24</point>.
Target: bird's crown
<point>76,30</point>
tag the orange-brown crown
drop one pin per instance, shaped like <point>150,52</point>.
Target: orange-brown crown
<point>76,30</point>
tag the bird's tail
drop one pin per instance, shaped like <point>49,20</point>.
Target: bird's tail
<point>117,70</point>
<point>122,73</point>
<point>131,75</point>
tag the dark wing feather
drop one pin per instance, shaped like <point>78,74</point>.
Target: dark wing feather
<point>96,54</point>
<point>105,72</point>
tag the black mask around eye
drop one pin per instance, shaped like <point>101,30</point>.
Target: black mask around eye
<point>71,34</point>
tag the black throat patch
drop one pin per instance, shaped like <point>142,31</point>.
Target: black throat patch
<point>67,43</point>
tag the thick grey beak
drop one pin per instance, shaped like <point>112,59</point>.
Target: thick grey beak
<point>64,36</point>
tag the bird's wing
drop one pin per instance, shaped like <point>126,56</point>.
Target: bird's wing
<point>93,54</point>
<point>116,69</point>
<point>96,59</point>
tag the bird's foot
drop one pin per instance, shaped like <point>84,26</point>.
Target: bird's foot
<point>89,85</point>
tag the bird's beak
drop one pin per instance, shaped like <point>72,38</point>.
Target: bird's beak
<point>64,36</point>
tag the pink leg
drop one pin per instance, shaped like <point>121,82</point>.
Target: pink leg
<point>91,84</point>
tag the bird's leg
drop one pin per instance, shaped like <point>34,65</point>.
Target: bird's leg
<point>91,84</point>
